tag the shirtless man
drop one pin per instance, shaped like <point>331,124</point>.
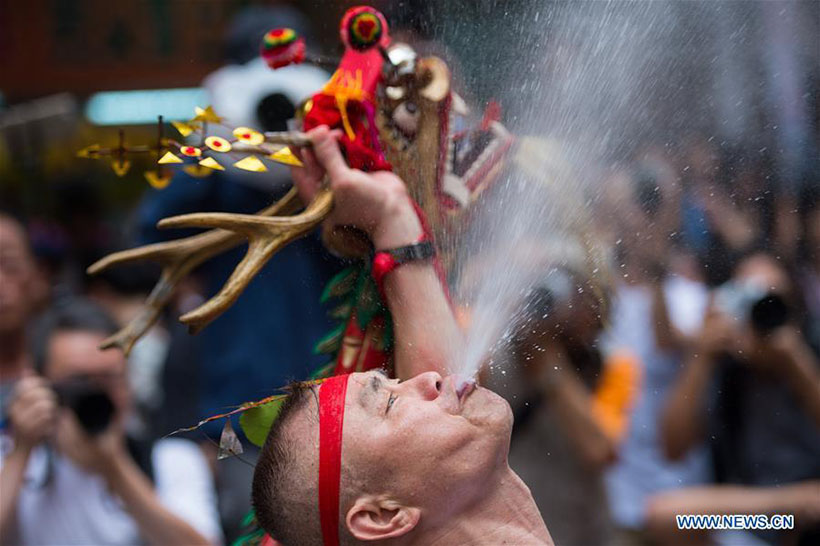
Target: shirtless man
<point>417,460</point>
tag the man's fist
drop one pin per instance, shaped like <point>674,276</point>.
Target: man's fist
<point>32,412</point>
<point>376,203</point>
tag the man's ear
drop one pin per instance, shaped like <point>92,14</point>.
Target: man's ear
<point>376,519</point>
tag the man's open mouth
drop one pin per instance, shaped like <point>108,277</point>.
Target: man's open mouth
<point>464,386</point>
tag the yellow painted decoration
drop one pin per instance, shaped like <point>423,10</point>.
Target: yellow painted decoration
<point>308,106</point>
<point>206,114</point>
<point>211,163</point>
<point>218,144</point>
<point>286,157</point>
<point>169,158</point>
<point>183,128</point>
<point>120,166</point>
<point>251,163</point>
<point>249,136</point>
<point>90,152</point>
<point>190,151</point>
<point>341,102</point>
<point>345,86</point>
<point>157,180</point>
<point>197,172</point>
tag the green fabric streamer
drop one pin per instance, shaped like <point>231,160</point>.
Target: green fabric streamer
<point>249,519</point>
<point>249,539</point>
<point>324,371</point>
<point>369,303</point>
<point>341,284</point>
<point>331,342</point>
<point>342,312</point>
<point>254,535</point>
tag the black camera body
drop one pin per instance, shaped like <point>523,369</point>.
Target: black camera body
<point>764,310</point>
<point>89,402</point>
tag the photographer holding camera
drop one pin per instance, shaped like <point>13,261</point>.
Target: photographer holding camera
<point>572,399</point>
<point>74,476</point>
<point>752,385</point>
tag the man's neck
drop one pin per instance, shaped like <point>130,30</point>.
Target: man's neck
<point>507,515</point>
<point>14,358</point>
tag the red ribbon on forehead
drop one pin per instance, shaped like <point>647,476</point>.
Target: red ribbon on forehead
<point>331,420</point>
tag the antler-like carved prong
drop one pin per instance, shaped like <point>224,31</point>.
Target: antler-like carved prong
<point>178,258</point>
<point>127,336</point>
<point>265,236</point>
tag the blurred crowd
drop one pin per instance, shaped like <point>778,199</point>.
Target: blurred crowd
<point>691,385</point>
<point>695,389</point>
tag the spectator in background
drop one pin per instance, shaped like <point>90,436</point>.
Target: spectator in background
<point>22,290</point>
<point>73,475</point>
<point>658,301</point>
<point>698,168</point>
<point>751,386</point>
<point>739,206</point>
<point>809,264</point>
<point>571,407</point>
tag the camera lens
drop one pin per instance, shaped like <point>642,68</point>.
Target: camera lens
<point>769,313</point>
<point>94,411</point>
<point>90,403</point>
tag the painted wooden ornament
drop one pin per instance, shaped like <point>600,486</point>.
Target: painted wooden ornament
<point>218,144</point>
<point>249,136</point>
<point>190,151</point>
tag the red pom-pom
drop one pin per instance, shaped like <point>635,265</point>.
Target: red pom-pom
<point>364,27</point>
<point>383,263</point>
<point>282,47</point>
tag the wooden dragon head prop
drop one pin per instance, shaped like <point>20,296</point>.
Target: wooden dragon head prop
<point>397,111</point>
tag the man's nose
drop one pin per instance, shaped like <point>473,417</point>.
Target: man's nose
<point>426,385</point>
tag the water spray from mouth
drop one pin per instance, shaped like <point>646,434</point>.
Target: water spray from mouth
<point>595,79</point>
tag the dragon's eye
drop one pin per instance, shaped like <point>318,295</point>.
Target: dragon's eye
<point>406,117</point>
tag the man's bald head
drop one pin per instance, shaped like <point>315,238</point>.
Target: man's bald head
<point>284,488</point>
<point>285,482</point>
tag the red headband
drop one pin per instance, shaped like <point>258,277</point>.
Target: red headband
<point>331,420</point>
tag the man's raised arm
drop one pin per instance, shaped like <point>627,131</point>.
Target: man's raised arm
<point>378,204</point>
